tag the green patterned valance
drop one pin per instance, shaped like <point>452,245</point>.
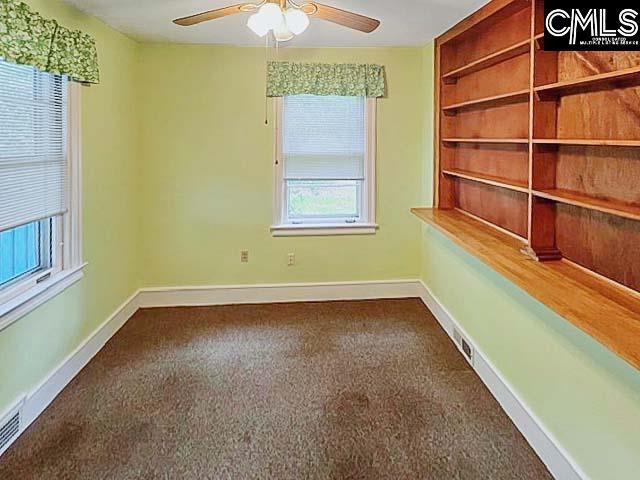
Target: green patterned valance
<point>343,79</point>
<point>28,38</point>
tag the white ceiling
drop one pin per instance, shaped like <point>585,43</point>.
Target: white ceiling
<point>404,22</point>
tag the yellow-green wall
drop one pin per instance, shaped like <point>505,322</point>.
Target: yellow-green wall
<point>34,346</point>
<point>178,179</point>
<point>584,395</point>
<point>208,171</point>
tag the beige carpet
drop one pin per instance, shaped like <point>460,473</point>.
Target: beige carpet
<point>344,390</point>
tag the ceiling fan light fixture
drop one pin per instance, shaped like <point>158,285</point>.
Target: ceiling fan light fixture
<point>282,32</point>
<point>271,15</point>
<point>297,20</point>
<point>258,25</point>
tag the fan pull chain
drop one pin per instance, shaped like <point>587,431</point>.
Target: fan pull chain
<point>276,45</point>
<point>266,99</point>
<point>277,160</point>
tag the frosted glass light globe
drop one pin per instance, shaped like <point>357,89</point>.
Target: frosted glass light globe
<point>258,25</point>
<point>297,20</point>
<point>282,32</point>
<point>271,15</point>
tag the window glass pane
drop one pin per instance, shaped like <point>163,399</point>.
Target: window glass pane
<point>323,199</point>
<point>24,250</point>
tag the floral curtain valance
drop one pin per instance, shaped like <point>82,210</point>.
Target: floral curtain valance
<point>343,79</point>
<point>27,38</point>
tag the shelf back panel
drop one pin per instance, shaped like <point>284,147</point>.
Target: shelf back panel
<point>504,208</point>
<point>603,172</point>
<point>508,76</point>
<point>504,121</point>
<point>573,65</point>
<point>611,114</point>
<point>510,162</point>
<point>600,242</point>
<point>481,40</point>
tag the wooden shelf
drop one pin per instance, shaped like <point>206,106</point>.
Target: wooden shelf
<point>607,312</point>
<point>620,78</point>
<point>488,180</point>
<point>539,39</point>
<point>587,142</point>
<point>487,61</point>
<point>494,100</point>
<point>612,207</point>
<point>486,140</point>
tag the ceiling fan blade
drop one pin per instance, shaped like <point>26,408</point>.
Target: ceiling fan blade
<point>346,19</point>
<point>210,15</point>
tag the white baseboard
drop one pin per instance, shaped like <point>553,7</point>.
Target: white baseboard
<point>277,293</point>
<point>556,459</point>
<point>543,443</point>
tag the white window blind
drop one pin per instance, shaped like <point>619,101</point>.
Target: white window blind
<point>323,138</point>
<point>33,145</point>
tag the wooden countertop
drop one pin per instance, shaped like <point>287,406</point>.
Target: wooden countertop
<point>604,310</point>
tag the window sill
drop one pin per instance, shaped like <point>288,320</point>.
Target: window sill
<point>324,230</point>
<point>18,307</point>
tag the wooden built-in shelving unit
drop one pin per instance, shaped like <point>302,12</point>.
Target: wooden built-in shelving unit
<point>544,146</point>
<point>602,309</point>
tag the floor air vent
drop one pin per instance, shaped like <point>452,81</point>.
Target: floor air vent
<point>463,345</point>
<point>9,429</point>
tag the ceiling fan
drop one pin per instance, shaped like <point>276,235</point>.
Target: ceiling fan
<point>286,18</point>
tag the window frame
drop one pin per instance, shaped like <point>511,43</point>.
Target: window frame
<point>26,294</point>
<point>30,279</point>
<point>366,225</point>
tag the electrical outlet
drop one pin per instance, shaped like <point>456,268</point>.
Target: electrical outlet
<point>291,259</point>
<point>244,256</point>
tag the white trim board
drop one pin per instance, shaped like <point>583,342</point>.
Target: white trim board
<point>552,454</point>
<point>277,293</point>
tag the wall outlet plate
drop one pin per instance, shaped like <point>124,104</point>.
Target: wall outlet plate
<point>244,256</point>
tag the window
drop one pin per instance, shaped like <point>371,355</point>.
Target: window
<point>39,188</point>
<point>325,169</point>
<point>25,250</point>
